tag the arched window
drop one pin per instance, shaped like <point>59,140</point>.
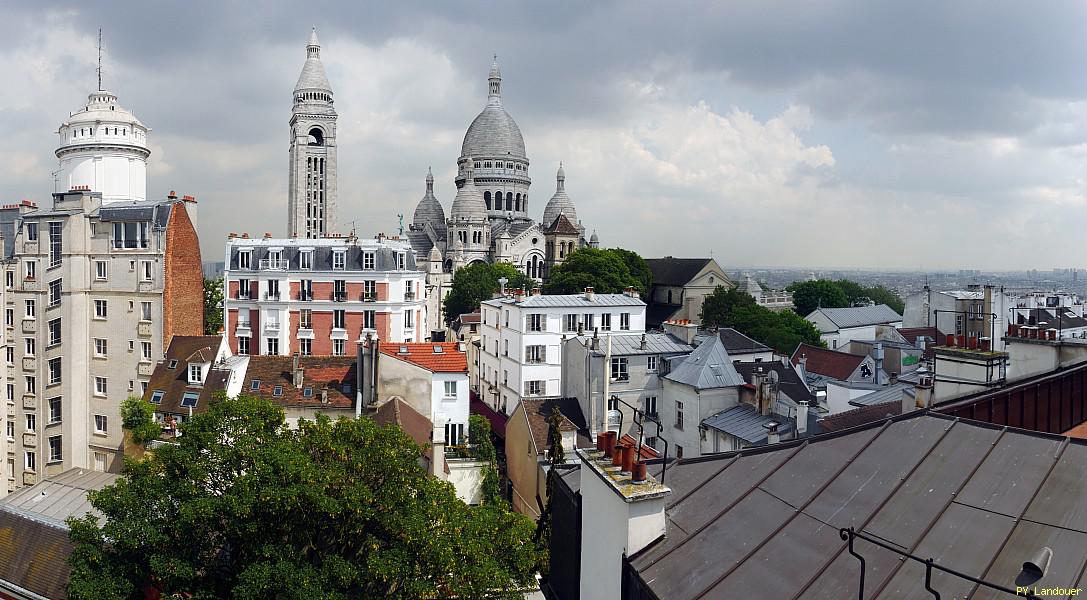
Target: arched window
<point>487,199</point>
<point>509,200</point>
<point>518,204</point>
<point>316,137</point>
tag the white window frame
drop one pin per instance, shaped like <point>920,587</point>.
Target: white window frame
<point>339,347</point>
<point>145,351</point>
<point>245,259</point>
<point>339,260</point>
<point>101,424</point>
<point>196,374</point>
<point>305,260</point>
<point>624,321</point>
<point>101,347</point>
<point>369,261</point>
<point>147,271</point>
<point>101,385</point>
<point>101,270</point>
<point>101,309</point>
<point>56,448</point>
<point>450,390</point>
<point>605,322</point>
<point>651,363</point>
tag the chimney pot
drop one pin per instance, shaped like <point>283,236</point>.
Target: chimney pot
<point>638,474</point>
<point>617,454</point>
<point>172,195</point>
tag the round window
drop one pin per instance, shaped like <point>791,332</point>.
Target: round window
<point>534,240</point>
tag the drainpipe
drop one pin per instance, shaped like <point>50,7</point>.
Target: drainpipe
<point>607,383</point>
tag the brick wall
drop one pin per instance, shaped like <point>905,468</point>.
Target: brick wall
<point>381,323</point>
<point>382,292</point>
<point>231,326</point>
<point>183,290</point>
<point>322,329</point>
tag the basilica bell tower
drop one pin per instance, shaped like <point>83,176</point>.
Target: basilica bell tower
<point>311,195</point>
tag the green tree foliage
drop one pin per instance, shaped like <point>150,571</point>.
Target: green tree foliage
<point>213,305</point>
<point>604,270</point>
<point>478,282</point>
<point>879,294</point>
<point>822,293</point>
<point>244,507</point>
<point>555,453</point>
<point>138,419</point>
<point>780,330</point>
<point>638,268</point>
<point>479,435</point>
<point>556,456</point>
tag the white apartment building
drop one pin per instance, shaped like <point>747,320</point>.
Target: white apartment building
<point>319,297</point>
<point>521,339</point>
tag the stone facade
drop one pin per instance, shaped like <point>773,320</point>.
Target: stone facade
<point>312,187</point>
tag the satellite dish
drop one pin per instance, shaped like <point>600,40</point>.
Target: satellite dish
<point>773,377</point>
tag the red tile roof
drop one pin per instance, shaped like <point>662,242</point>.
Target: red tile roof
<point>446,360</point>
<point>912,333</point>
<point>644,452</point>
<point>829,363</point>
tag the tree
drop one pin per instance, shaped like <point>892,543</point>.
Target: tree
<point>479,435</point>
<point>556,456</point>
<point>478,282</point>
<point>822,293</point>
<point>639,270</point>
<point>603,270</point>
<point>138,419</point>
<point>718,306</point>
<point>213,305</point>
<point>242,506</point>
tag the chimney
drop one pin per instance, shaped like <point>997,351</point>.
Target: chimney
<point>772,435</point>
<point>324,395</point>
<point>536,291</point>
<point>879,362</point>
<point>595,343</point>
<point>296,372</point>
<point>802,418</point>
<point>644,345</point>
<point>802,367</point>
<point>621,515</point>
<point>682,329</point>
<point>909,401</point>
<point>894,379</point>
<point>172,195</point>
<point>590,295</point>
<point>518,294</point>
<point>923,392</point>
<point>437,452</point>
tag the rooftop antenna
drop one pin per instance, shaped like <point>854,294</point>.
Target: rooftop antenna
<point>99,59</point>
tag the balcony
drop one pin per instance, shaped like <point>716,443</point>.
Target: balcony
<point>29,325</point>
<point>621,377</point>
<point>409,296</point>
<point>305,295</point>
<point>31,284</point>
<point>143,329</point>
<point>368,297</point>
<point>242,328</point>
<point>145,369</point>
<point>240,295</point>
<point>273,296</point>
<point>339,296</point>
<point>30,401</point>
<point>30,363</point>
<point>273,264</point>
<point>271,325</point>
<point>30,478</point>
<point>30,439</point>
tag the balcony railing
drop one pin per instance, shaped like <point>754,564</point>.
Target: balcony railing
<point>409,296</point>
<point>368,297</point>
<point>339,296</point>
<point>242,295</point>
<point>271,296</point>
<point>273,264</point>
<point>305,295</point>
<point>271,325</point>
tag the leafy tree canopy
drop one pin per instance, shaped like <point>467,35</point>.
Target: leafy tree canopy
<point>244,507</point>
<point>718,306</point>
<point>639,269</point>
<point>138,419</point>
<point>780,330</point>
<point>478,282</point>
<point>213,305</point>
<point>604,270</point>
<point>809,295</point>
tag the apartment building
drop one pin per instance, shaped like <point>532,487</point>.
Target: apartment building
<point>94,291</point>
<point>319,297</point>
<point>521,338</point>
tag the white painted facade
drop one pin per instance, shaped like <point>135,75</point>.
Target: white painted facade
<point>103,148</point>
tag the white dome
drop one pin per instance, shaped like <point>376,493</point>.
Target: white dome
<point>560,203</point>
<point>493,133</point>
<point>468,205</point>
<point>103,148</point>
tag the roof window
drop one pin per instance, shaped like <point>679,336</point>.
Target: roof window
<point>172,364</point>
<point>254,385</point>
<point>277,390</point>
<point>437,349</point>
<point>156,396</point>
<point>189,399</point>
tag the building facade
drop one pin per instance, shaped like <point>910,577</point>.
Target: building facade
<point>679,287</point>
<point>320,296</point>
<point>312,188</point>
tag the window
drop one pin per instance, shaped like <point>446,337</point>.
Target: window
<point>243,346</point>
<point>129,235</point>
<point>31,422</point>
<point>11,355</point>
<point>9,317</point>
<point>535,323</point>
<point>31,232</point>
<point>605,322</point>
<point>368,260</point>
<point>100,270</point>
<point>100,309</point>
<point>277,390</point>
<point>9,279</point>
<point>569,323</point>
<point>55,449</point>
<point>146,270</point>
<point>369,289</point>
<point>305,289</point>
<point>145,311</point>
<point>273,347</point>
<point>55,247</point>
<point>156,396</point>
<point>339,319</point>
<point>368,318</point>
<point>54,410</point>
<point>30,270</point>
<point>31,384</point>
<point>450,389</point>
<point>619,368</point>
<point>305,318</point>
<point>100,461</point>
<point>535,354</point>
<point>170,365</point>
<point>99,386</point>
<point>100,424</point>
<point>245,259</point>
<point>679,417</point>
<point>401,261</point>
<point>339,260</point>
<point>54,292</point>
<point>588,322</point>
<point>189,399</point>
<point>534,388</point>
<point>273,289</point>
<point>11,393</point>
<point>196,374</point>
<point>338,347</point>
<point>651,405</point>
<point>454,434</point>
<point>54,371</point>
<point>339,290</point>
<point>243,289</point>
<point>960,327</point>
<point>624,321</point>
<point>30,309</point>
<point>305,347</point>
<point>145,350</point>
<point>30,461</point>
<point>505,347</point>
<point>54,332</point>
<point>28,346</point>
<point>679,449</point>
<point>305,259</point>
<point>651,364</point>
<point>409,319</point>
<point>11,430</point>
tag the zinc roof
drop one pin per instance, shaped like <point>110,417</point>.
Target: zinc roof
<point>568,300</point>
<point>746,423</point>
<point>57,498</point>
<point>655,343</point>
<point>709,366</point>
<point>859,316</point>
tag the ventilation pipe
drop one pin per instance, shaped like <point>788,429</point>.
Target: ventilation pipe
<point>802,418</point>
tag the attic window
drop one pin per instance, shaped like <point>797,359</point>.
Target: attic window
<point>437,349</point>
<point>347,388</point>
<point>277,390</point>
<point>172,364</point>
<point>156,396</point>
<point>189,399</point>
<point>403,349</point>
<point>254,385</point>
<point>307,392</point>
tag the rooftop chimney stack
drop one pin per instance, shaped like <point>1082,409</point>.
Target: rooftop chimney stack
<point>772,435</point>
<point>296,372</point>
<point>644,343</point>
<point>590,295</point>
<point>802,418</point>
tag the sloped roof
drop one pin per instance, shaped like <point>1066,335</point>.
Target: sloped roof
<point>337,374</point>
<point>860,416</point>
<point>675,271</point>
<point>56,498</point>
<point>562,226</point>
<point>912,333</point>
<point>860,316</point>
<point>538,411</point>
<point>568,300</point>
<point>789,382</point>
<point>400,413</point>
<point>438,357</point>
<point>975,498</point>
<point>708,366</point>
<point>655,343</point>
<point>829,363</point>
<point>738,343</point>
<point>174,383</point>
<point>34,555</point>
<point>746,423</point>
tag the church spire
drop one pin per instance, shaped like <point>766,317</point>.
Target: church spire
<point>494,81</point>
<point>429,181</point>
<point>313,48</point>
<point>560,179</point>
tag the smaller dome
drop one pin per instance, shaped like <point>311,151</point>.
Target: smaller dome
<point>594,239</point>
<point>313,75</point>
<point>468,205</point>
<point>560,203</point>
<point>102,107</point>
<point>429,210</point>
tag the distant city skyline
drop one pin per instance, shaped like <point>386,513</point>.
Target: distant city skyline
<point>856,135</point>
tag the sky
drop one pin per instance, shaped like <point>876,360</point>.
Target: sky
<point>846,134</point>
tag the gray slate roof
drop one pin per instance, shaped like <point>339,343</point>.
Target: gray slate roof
<point>709,366</point>
<point>859,316</point>
<point>890,393</point>
<point>738,343</point>
<point>655,343</point>
<point>568,300</point>
<point>975,497</point>
<point>57,498</point>
<point>675,271</point>
<point>493,133</point>
<point>744,422</point>
<point>384,257</point>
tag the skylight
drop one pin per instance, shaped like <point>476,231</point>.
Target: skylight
<point>172,364</point>
<point>254,385</point>
<point>156,396</point>
<point>277,390</point>
<point>437,349</point>
<point>189,399</point>
<point>307,392</point>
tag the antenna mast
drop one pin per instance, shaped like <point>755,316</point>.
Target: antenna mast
<point>99,59</point>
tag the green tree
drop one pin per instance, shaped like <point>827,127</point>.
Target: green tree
<point>479,435</point>
<point>603,270</point>
<point>780,330</point>
<point>244,507</point>
<point>213,305</point>
<point>822,293</point>
<point>639,270</point>
<point>718,306</point>
<point>478,282</point>
<point>881,295</point>
<point>556,456</point>
<point>138,419</point>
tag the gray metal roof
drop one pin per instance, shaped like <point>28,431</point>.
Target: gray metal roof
<point>493,133</point>
<point>568,300</point>
<point>890,393</point>
<point>57,498</point>
<point>384,256</point>
<point>746,423</point>
<point>709,366</point>
<point>976,498</point>
<point>655,343</point>
<point>859,316</point>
